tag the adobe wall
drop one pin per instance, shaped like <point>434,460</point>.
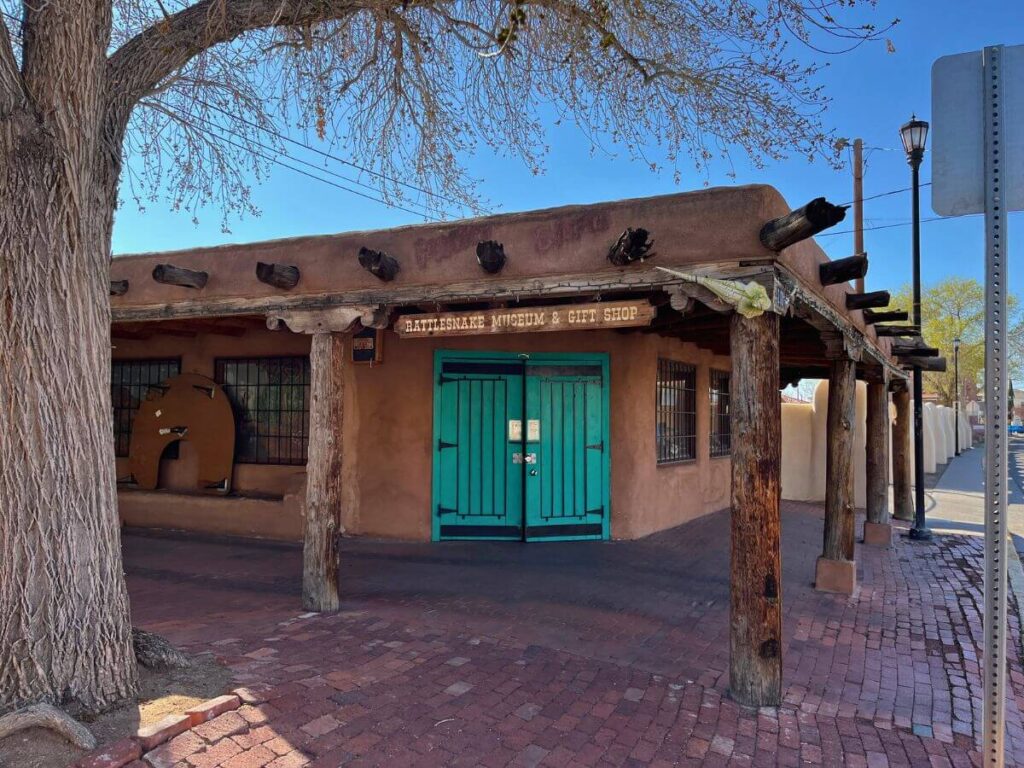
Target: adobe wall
<point>387,451</point>
<point>803,443</point>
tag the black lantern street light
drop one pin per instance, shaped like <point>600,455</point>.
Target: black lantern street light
<point>914,133</point>
<point>956,392</point>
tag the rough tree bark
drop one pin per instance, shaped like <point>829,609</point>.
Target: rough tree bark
<point>755,618</point>
<point>64,624</point>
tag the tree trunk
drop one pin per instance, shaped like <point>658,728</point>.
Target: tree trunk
<point>323,474</point>
<point>65,635</point>
<point>755,653</point>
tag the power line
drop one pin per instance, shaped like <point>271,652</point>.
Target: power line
<point>283,137</point>
<point>328,171</point>
<point>277,161</point>
<point>886,194</point>
<point>890,226</point>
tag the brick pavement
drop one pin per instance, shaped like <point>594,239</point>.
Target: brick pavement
<point>573,654</point>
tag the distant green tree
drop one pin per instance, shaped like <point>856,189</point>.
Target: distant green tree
<point>955,308</point>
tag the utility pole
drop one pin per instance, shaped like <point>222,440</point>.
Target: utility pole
<point>858,204</point>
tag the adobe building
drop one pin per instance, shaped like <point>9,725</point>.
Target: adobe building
<point>574,373</point>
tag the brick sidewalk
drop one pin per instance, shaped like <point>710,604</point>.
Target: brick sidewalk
<point>574,654</point>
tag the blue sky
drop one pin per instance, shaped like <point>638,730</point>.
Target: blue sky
<point>874,92</point>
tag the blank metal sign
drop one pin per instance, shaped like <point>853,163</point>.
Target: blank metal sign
<point>958,136</point>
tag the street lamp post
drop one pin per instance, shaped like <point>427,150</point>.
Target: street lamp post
<point>913,134</point>
<point>956,393</point>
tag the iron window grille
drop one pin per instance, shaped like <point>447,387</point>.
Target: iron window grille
<point>676,411</point>
<point>130,382</point>
<point>721,429</point>
<point>270,399</point>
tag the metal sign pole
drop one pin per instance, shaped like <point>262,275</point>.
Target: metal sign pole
<point>994,668</point>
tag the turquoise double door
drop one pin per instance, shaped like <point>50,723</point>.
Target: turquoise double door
<point>520,446</point>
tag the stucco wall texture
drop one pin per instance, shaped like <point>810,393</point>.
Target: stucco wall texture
<point>719,225</point>
<point>387,448</point>
<point>803,443</point>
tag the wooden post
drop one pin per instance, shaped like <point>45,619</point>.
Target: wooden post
<point>323,474</point>
<point>755,655</point>
<point>877,529</point>
<point>836,570</point>
<point>903,499</point>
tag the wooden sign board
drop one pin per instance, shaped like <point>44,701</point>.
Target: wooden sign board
<point>566,317</point>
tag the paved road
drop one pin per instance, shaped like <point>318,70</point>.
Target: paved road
<point>956,503</point>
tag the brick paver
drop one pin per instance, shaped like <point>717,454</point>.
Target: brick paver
<point>576,654</point>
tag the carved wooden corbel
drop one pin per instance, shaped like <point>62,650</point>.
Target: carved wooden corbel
<point>333,320</point>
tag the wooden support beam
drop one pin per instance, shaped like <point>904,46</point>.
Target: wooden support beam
<point>379,264</point>
<point>816,216</point>
<point>836,570</point>
<point>877,529</point>
<point>891,316</point>
<point>118,287</point>
<point>186,278</point>
<point>843,270</point>
<point>755,619</point>
<point>932,364</point>
<point>897,330</point>
<point>912,348</point>
<point>491,256</point>
<point>903,499</point>
<point>867,300</point>
<point>323,474</point>
<point>283,276</point>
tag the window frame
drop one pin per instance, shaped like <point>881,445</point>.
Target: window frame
<point>715,417</point>
<point>172,450</point>
<point>242,457</point>
<point>682,417</point>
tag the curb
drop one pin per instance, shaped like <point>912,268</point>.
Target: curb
<point>1015,575</point>
<point>132,751</point>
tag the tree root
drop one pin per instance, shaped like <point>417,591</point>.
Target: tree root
<point>47,716</point>
<point>154,652</point>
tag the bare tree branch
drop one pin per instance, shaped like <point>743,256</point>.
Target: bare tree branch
<point>412,88</point>
<point>139,66</point>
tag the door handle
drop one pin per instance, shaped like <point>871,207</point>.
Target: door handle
<point>533,472</point>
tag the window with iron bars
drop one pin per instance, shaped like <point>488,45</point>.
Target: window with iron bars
<point>270,398</point>
<point>676,411</point>
<point>721,429</point>
<point>130,382</point>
